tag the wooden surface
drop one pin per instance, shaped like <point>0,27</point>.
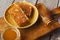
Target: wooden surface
<point>37,30</point>
<point>51,36</point>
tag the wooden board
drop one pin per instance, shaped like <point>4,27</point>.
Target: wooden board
<point>37,30</point>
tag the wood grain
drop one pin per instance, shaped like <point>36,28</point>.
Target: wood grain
<point>37,30</point>
<point>40,30</point>
<point>3,24</point>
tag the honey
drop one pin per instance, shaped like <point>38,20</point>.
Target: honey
<point>9,34</point>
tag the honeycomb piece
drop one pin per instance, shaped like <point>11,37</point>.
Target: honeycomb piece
<point>18,15</point>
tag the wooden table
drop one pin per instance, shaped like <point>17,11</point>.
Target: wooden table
<point>32,33</point>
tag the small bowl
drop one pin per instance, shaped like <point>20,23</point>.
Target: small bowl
<point>14,29</point>
<point>9,20</point>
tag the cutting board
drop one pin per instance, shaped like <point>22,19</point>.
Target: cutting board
<point>37,30</point>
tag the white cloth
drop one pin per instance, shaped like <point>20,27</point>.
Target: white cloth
<point>3,5</point>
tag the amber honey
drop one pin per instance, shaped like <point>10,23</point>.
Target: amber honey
<point>10,34</point>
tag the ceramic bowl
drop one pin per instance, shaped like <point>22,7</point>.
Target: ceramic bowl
<point>9,20</point>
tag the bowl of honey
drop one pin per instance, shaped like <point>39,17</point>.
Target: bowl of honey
<point>10,34</point>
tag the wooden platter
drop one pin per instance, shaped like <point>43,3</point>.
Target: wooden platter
<point>37,30</point>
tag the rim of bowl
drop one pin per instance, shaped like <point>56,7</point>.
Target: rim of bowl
<point>25,26</point>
